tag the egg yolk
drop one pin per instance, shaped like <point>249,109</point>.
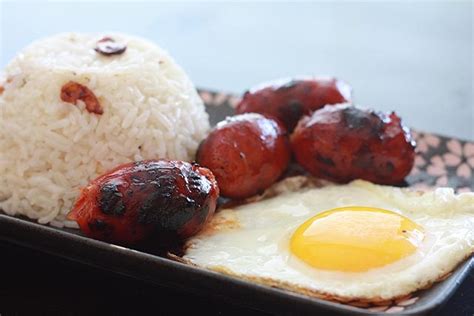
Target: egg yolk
<point>355,239</point>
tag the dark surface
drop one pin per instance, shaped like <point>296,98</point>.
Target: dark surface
<point>35,283</point>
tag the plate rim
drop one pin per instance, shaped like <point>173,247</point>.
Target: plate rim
<point>50,240</point>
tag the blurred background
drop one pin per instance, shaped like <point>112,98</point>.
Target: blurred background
<point>412,57</point>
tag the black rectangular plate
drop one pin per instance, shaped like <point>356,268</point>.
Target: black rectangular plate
<point>71,244</point>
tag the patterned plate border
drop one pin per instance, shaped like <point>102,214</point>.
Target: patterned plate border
<point>440,162</point>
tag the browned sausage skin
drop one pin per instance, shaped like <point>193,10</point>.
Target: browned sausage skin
<point>288,100</point>
<point>139,199</point>
<point>343,142</point>
<point>247,153</point>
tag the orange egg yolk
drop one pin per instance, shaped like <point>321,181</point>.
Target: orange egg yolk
<point>355,239</point>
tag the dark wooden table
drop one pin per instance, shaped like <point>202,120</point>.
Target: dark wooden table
<point>33,283</point>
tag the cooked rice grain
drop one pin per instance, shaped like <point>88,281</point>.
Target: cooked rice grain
<point>49,149</point>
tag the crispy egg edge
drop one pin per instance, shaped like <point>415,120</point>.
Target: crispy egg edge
<point>354,301</point>
<point>221,222</point>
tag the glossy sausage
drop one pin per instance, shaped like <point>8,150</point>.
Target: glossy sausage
<point>289,100</point>
<point>343,142</point>
<point>247,153</point>
<point>139,199</point>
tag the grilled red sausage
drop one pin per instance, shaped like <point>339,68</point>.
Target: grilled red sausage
<point>139,199</point>
<point>343,142</point>
<point>289,100</point>
<point>247,153</point>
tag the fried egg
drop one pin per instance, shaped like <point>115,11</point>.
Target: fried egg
<point>343,242</point>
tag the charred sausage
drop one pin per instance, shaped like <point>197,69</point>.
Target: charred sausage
<point>344,142</point>
<point>138,199</point>
<point>289,100</point>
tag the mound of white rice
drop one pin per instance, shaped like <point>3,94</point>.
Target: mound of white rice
<point>49,149</point>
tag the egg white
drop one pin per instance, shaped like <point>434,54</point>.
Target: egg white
<point>252,241</point>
